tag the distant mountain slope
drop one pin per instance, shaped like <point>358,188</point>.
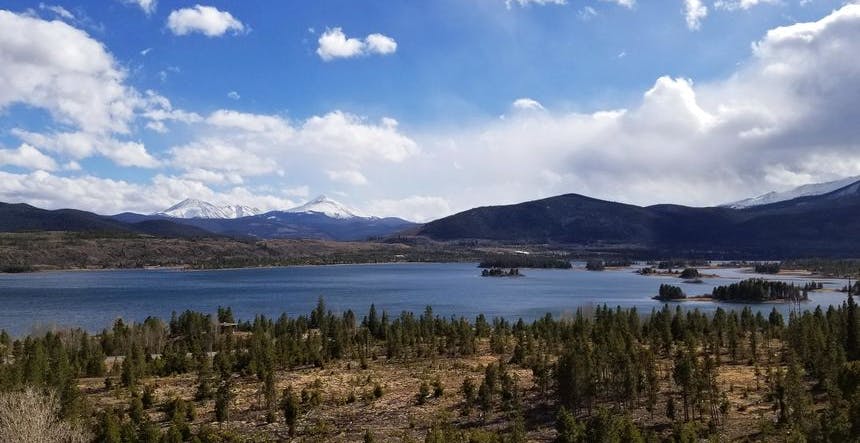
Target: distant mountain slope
<point>23,217</point>
<point>822,224</point>
<point>569,218</point>
<point>800,191</point>
<point>192,208</point>
<point>326,206</point>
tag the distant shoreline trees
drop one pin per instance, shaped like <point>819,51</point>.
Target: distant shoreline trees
<point>759,290</point>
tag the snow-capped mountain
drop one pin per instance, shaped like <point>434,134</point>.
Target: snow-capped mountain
<point>800,191</point>
<point>328,207</point>
<point>192,208</point>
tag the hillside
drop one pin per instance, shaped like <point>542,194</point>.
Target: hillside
<point>826,224</point>
<point>23,217</point>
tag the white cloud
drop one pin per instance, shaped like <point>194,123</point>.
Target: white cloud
<point>145,52</point>
<point>349,136</point>
<point>271,124</point>
<point>527,104</point>
<point>58,10</point>
<point>524,3</point>
<point>27,157</point>
<point>694,12</point>
<point>215,155</point>
<point>733,5</point>
<point>417,208</point>
<point>629,4</point>
<point>234,95</point>
<point>380,44</point>
<point>206,20</point>
<point>333,43</point>
<point>148,6</point>
<point>78,145</point>
<point>256,144</point>
<point>60,69</point>
<point>212,177</point>
<point>350,177</point>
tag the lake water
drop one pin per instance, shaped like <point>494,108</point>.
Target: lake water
<point>94,299</point>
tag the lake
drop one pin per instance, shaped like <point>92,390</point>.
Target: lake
<point>94,299</point>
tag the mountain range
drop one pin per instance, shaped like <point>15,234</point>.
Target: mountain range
<point>821,224</point>
<point>321,218</point>
<point>826,224</point>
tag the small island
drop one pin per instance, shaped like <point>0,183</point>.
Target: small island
<point>499,272</point>
<point>670,293</point>
<point>757,290</point>
<point>600,265</point>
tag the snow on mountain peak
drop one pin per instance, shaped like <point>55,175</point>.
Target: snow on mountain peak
<point>328,207</point>
<point>193,208</point>
<point>800,191</point>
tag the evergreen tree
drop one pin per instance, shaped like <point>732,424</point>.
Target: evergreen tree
<point>290,406</point>
<point>223,397</point>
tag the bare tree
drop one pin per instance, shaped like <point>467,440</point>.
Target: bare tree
<point>33,416</point>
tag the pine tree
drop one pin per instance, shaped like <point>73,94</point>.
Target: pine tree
<point>223,397</point>
<point>290,406</point>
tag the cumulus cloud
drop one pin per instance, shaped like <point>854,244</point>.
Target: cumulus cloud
<point>53,66</point>
<point>206,20</point>
<point>245,144</point>
<point>233,95</point>
<point>694,12</point>
<point>333,43</point>
<point>79,145</point>
<point>380,44</point>
<point>27,157</point>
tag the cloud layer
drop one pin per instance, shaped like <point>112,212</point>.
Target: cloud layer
<point>785,116</point>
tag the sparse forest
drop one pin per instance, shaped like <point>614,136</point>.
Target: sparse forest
<point>611,375</point>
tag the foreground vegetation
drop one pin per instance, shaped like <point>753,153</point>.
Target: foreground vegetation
<point>613,375</point>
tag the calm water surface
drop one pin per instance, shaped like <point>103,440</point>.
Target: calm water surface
<point>94,299</point>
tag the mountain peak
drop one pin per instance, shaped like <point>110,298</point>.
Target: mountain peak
<point>194,208</point>
<point>324,205</point>
<point>800,191</point>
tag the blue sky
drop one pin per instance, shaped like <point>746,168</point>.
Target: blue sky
<point>420,109</point>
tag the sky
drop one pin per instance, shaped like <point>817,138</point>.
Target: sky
<point>423,109</point>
